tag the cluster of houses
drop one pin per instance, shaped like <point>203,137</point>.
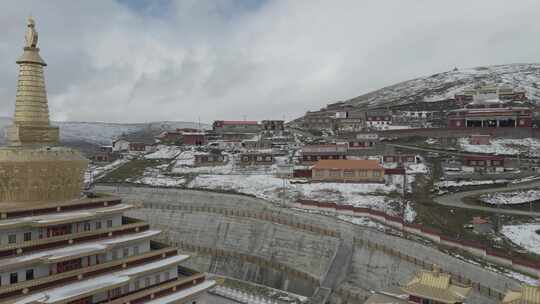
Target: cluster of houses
<point>484,106</point>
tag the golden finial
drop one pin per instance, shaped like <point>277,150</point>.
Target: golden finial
<point>31,34</point>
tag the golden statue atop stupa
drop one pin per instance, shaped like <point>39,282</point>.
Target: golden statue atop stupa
<point>33,168</point>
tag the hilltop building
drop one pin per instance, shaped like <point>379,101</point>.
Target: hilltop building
<point>59,247</point>
<point>490,114</point>
<point>503,93</point>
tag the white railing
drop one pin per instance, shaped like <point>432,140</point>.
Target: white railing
<point>240,296</point>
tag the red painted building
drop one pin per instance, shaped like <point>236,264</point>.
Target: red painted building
<point>314,153</point>
<point>490,116</point>
<point>194,138</point>
<point>399,158</point>
<point>484,163</point>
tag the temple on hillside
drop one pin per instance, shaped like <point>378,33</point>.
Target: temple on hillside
<point>57,246</point>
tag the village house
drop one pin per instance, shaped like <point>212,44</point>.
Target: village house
<point>435,287</point>
<point>488,163</point>
<point>223,127</point>
<point>363,141</point>
<point>170,137</point>
<point>314,153</point>
<point>105,154</point>
<point>479,139</point>
<point>348,171</point>
<point>212,158</point>
<point>400,159</point>
<point>194,138</point>
<point>378,119</point>
<point>256,158</point>
<point>349,124</point>
<point>318,120</point>
<point>134,145</point>
<point>273,125</point>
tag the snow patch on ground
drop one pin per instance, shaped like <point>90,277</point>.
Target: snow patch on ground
<point>511,198</point>
<point>524,235</point>
<point>448,184</point>
<point>155,177</point>
<point>95,172</point>
<point>272,188</point>
<point>164,152</point>
<point>504,146</point>
<point>186,160</point>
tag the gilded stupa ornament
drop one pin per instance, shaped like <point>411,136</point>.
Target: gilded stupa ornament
<point>33,168</point>
<point>31,36</point>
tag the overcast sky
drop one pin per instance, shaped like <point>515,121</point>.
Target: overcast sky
<point>136,61</point>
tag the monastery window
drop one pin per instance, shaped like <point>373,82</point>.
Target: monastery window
<point>495,162</point>
<point>473,163</point>
<point>269,158</point>
<point>98,225</point>
<point>259,158</point>
<point>245,158</point>
<point>109,223</point>
<point>335,173</point>
<point>390,159</point>
<point>12,239</point>
<point>13,278</point>
<point>29,274</point>
<point>362,173</point>
<point>27,236</point>
<point>147,281</point>
<point>166,276</point>
<point>86,226</point>
<point>136,250</point>
<point>480,163</point>
<point>157,279</point>
<point>125,252</point>
<point>137,285</point>
<point>348,173</point>
<point>116,292</point>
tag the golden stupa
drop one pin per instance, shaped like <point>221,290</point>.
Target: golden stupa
<point>33,168</point>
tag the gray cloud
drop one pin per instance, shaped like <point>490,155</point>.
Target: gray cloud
<point>224,59</point>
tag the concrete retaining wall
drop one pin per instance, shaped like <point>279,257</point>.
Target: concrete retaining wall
<point>247,245</point>
<point>529,268</point>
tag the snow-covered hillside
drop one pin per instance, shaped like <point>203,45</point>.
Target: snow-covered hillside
<point>445,85</point>
<point>100,133</point>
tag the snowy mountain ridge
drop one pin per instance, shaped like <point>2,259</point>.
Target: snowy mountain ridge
<point>444,85</point>
<point>101,133</point>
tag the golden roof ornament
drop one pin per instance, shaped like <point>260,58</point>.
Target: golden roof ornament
<point>33,169</point>
<point>31,36</point>
<point>31,126</point>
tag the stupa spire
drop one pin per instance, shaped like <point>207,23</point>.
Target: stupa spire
<point>31,124</point>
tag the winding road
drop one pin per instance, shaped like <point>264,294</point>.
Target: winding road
<point>456,199</point>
